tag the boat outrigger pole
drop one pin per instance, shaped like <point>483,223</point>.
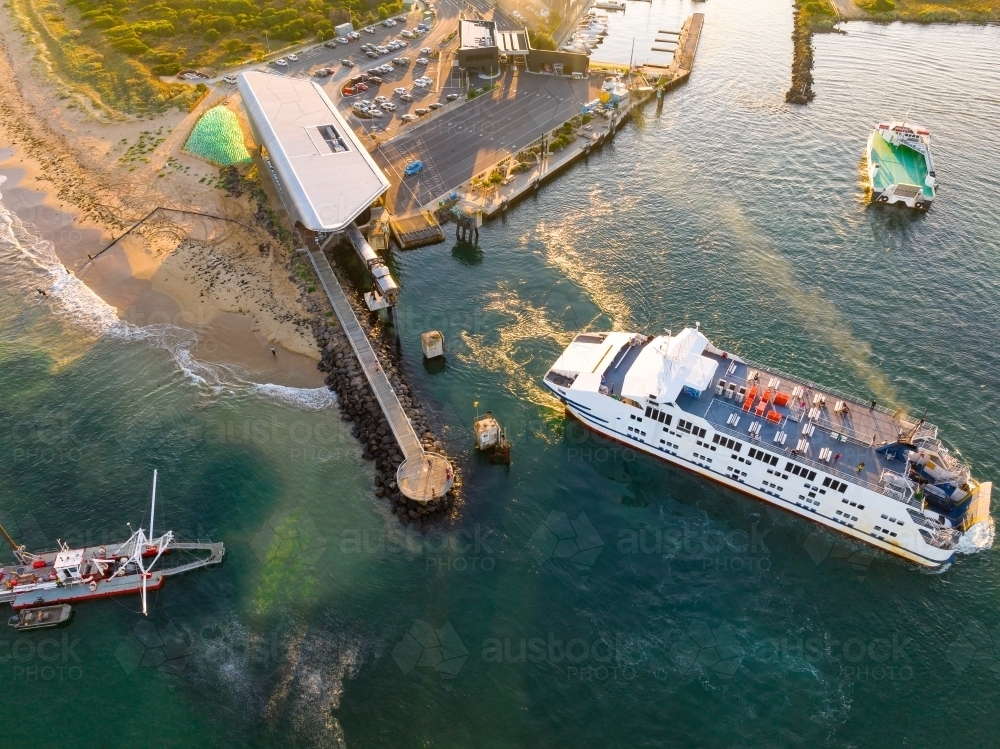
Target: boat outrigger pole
<point>20,552</point>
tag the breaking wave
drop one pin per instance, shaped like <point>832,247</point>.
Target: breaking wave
<point>34,271</point>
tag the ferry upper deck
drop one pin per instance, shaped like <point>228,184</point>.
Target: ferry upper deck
<point>794,420</point>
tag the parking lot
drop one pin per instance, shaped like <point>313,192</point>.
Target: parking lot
<point>455,146</point>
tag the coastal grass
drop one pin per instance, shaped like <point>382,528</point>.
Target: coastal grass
<point>932,11</point>
<point>119,56</point>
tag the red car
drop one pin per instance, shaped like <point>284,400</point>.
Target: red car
<point>362,88</point>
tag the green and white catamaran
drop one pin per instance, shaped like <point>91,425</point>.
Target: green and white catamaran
<point>900,167</point>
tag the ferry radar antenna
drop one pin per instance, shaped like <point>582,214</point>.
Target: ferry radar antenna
<point>152,511</point>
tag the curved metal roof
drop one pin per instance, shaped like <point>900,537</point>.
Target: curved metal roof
<point>327,177</point>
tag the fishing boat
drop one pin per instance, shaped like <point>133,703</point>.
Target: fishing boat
<point>610,4</point>
<point>41,617</point>
<point>68,575</point>
<point>850,465</point>
<point>900,166</point>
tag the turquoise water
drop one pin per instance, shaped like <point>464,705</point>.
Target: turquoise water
<point>674,614</point>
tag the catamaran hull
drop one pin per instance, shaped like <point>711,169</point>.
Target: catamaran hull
<point>931,556</point>
<point>79,593</point>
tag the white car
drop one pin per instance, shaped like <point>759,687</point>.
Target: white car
<point>281,63</point>
<point>380,100</point>
<point>389,23</point>
<point>400,91</point>
<point>406,97</point>
<point>388,106</point>
<point>375,112</point>
<point>421,83</point>
<point>407,34</point>
<point>382,50</point>
<point>343,40</point>
<point>423,61</point>
<point>231,79</point>
<point>426,51</point>
<point>293,57</point>
<point>369,30</point>
<point>408,118</point>
<point>401,62</point>
<point>354,36</point>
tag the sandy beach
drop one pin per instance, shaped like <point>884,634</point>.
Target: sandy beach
<point>225,279</point>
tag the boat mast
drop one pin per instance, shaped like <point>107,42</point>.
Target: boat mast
<point>152,512</point>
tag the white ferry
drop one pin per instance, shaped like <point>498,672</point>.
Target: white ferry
<point>852,466</point>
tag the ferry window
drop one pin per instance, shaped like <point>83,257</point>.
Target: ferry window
<point>715,438</point>
<point>753,452</point>
<point>701,432</point>
<point>812,475</point>
<point>648,410</point>
<point>668,419</point>
<point>788,466</point>
<point>774,460</point>
<point>737,446</point>
<point>826,481</point>
<point>631,416</point>
<point>842,488</point>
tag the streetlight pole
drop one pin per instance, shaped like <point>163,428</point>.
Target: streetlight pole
<point>267,41</point>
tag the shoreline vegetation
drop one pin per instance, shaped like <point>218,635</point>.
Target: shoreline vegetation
<point>110,57</point>
<point>822,16</point>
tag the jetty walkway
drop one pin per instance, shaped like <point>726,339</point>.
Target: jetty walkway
<point>422,476</point>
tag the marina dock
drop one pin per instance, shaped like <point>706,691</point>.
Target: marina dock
<point>422,476</point>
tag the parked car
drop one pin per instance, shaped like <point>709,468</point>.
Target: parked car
<point>408,117</point>
<point>231,79</point>
<point>421,112</point>
<point>362,87</point>
<point>451,97</point>
<point>399,91</point>
<point>343,40</point>
<point>281,62</point>
<point>374,80</point>
<point>436,105</point>
<point>347,63</point>
<point>407,33</point>
<point>330,44</point>
<point>388,106</point>
<point>389,23</point>
<point>426,51</point>
<point>375,112</point>
<point>321,73</point>
<point>293,57</point>
<point>372,55</point>
<point>381,100</point>
<point>413,168</point>
<point>422,61</point>
<point>382,50</point>
<point>406,97</point>
<point>354,36</point>
<point>422,82</point>
<point>401,62</point>
<point>369,30</point>
<point>348,91</point>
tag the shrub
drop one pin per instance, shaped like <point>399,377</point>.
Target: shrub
<point>212,35</point>
<point>541,40</point>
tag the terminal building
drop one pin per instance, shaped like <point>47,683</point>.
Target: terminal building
<point>482,49</point>
<point>326,178</point>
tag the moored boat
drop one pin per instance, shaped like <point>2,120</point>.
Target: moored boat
<point>68,575</point>
<point>41,617</point>
<point>900,166</point>
<point>776,437</point>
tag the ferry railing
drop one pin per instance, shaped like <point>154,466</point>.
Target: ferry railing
<point>925,430</point>
<point>851,478</point>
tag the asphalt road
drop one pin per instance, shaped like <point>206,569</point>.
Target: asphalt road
<point>457,145</point>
